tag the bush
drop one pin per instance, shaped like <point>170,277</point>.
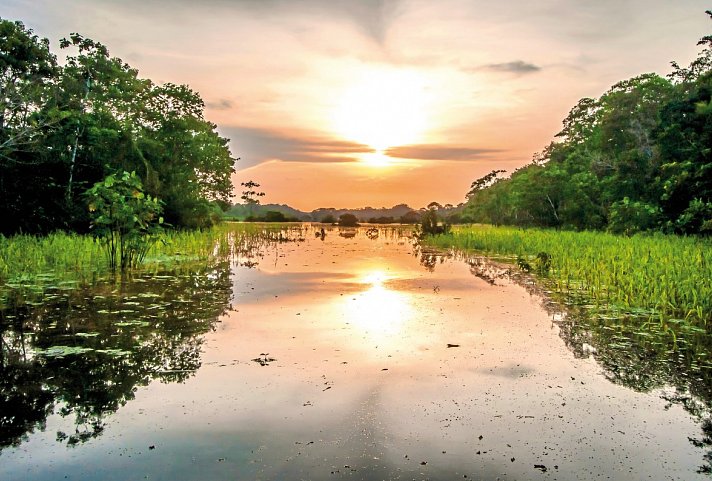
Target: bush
<point>431,224</point>
<point>124,219</point>
<point>274,216</point>
<point>348,220</point>
<point>628,217</point>
<point>697,218</point>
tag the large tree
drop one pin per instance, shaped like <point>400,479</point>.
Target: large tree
<point>65,128</point>
<point>28,72</point>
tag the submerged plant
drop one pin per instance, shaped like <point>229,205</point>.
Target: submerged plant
<point>543,263</point>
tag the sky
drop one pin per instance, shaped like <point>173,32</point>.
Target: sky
<point>354,103</point>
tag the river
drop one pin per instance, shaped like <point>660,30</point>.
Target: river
<point>350,355</point>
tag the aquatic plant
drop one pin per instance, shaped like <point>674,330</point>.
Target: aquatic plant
<point>33,264</point>
<point>664,276</point>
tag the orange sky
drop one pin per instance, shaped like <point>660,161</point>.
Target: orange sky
<point>352,103</point>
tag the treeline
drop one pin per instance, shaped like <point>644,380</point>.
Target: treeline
<point>64,128</point>
<point>637,158</point>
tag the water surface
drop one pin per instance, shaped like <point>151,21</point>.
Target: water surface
<point>351,355</point>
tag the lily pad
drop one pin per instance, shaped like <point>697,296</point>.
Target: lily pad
<point>61,351</point>
<point>132,323</point>
<point>87,334</point>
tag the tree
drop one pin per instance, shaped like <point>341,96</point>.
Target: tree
<point>190,165</point>
<point>685,179</point>
<point>250,195</point>
<point>27,70</point>
<point>483,182</point>
<point>63,129</point>
<point>410,217</point>
<point>430,223</point>
<point>274,216</point>
<point>348,220</point>
<point>125,220</point>
<point>28,74</point>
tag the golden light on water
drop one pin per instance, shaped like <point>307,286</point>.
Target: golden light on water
<point>374,278</point>
<point>379,312</point>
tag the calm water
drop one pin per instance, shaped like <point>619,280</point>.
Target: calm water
<point>348,356</point>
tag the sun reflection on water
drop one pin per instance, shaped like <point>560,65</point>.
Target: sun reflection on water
<point>378,311</point>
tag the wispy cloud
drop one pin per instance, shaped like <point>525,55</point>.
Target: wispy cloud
<point>220,104</point>
<point>255,146</point>
<point>372,17</point>
<point>439,152</point>
<point>518,67</point>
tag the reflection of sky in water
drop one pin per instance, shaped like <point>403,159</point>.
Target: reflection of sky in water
<point>380,312</point>
<point>363,377</point>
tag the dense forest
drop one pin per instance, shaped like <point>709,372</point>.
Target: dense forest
<point>65,128</point>
<point>638,158</point>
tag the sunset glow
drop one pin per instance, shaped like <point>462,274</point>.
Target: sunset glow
<point>382,109</point>
<point>354,103</point>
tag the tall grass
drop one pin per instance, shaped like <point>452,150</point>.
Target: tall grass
<point>63,257</point>
<point>662,275</point>
<point>24,257</point>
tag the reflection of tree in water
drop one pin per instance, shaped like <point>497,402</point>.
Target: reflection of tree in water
<point>247,250</point>
<point>634,351</point>
<point>429,258</point>
<point>84,353</point>
<point>399,234</point>
<point>487,271</point>
<point>643,355</point>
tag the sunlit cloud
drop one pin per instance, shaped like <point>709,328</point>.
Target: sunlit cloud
<point>260,145</point>
<point>440,152</point>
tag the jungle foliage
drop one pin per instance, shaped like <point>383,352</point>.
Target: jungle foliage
<point>63,128</point>
<point>638,158</point>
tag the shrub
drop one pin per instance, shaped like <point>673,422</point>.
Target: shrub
<point>124,219</point>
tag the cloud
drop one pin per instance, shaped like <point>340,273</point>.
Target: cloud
<point>254,146</point>
<point>220,104</point>
<point>518,67</point>
<point>372,17</point>
<point>439,152</point>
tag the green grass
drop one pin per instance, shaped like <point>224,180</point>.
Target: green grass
<point>63,259</point>
<point>663,276</point>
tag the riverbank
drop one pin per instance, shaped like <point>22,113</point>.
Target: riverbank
<point>663,277</point>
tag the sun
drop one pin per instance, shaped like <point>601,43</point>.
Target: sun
<point>377,159</point>
<point>382,108</point>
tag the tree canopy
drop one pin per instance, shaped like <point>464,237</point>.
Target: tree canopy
<point>65,128</point>
<point>637,158</point>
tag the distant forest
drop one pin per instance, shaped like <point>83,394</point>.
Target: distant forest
<point>401,213</point>
<point>64,128</point>
<point>638,158</point>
